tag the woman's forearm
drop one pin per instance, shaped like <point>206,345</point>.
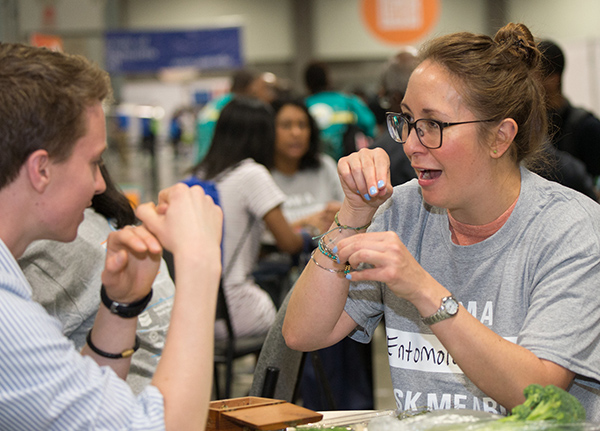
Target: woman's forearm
<point>498,367</point>
<point>315,315</point>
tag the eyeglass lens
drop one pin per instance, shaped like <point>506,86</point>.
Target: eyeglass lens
<point>428,132</point>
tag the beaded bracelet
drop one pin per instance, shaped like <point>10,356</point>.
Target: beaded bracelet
<point>346,269</point>
<point>343,226</point>
<point>323,249</point>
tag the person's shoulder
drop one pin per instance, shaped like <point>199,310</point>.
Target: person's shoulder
<point>249,169</point>
<point>330,97</point>
<point>577,116</point>
<point>210,111</point>
<point>558,200</point>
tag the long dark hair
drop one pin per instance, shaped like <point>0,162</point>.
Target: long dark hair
<point>310,160</point>
<point>113,204</point>
<point>245,129</point>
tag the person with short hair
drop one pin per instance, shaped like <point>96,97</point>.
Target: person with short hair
<point>52,141</point>
<point>483,272</point>
<point>64,279</point>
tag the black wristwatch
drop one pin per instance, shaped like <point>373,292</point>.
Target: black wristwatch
<point>448,309</point>
<point>125,310</point>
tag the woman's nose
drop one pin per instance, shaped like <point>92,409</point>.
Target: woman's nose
<point>412,144</point>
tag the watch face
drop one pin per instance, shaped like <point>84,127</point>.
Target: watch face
<point>451,306</point>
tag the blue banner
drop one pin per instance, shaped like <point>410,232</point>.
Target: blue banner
<point>130,51</point>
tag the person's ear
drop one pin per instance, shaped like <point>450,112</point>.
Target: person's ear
<point>37,167</point>
<point>505,135</point>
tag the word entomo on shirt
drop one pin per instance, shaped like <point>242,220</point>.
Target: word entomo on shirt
<point>424,352</point>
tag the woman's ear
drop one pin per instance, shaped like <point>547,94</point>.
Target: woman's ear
<point>504,137</point>
<point>37,167</point>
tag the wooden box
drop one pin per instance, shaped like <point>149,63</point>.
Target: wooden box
<point>237,414</point>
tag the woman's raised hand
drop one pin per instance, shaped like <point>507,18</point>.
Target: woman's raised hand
<point>365,179</point>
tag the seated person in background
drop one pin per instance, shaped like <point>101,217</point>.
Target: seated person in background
<point>307,176</point>
<point>52,137</point>
<point>486,269</point>
<point>573,129</point>
<point>573,148</point>
<point>314,194</point>
<point>242,147</point>
<point>64,278</point>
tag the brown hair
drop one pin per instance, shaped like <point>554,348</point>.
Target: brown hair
<point>43,101</point>
<point>499,78</point>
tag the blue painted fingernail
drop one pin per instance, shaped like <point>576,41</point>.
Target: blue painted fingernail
<point>334,249</point>
<point>358,192</point>
<point>367,197</point>
<point>349,276</point>
<point>380,184</point>
<point>337,259</point>
<point>373,190</point>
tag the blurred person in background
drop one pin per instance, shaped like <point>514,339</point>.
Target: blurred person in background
<point>242,146</point>
<point>345,121</point>
<point>309,179</point>
<point>307,176</point>
<point>245,82</point>
<point>574,130</point>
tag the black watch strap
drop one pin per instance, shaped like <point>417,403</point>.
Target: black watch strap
<point>125,310</point>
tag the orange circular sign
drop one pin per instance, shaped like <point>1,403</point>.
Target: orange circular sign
<point>400,21</point>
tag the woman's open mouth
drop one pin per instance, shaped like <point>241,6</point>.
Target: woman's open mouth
<point>429,174</point>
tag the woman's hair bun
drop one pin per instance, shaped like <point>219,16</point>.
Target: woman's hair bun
<point>516,40</point>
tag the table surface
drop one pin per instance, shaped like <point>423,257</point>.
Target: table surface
<point>333,414</point>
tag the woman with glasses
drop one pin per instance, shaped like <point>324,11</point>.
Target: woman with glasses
<point>485,274</point>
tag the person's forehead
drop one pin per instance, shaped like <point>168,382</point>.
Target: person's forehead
<point>433,88</point>
<point>93,143</point>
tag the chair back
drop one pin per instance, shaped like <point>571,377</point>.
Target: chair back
<point>276,354</point>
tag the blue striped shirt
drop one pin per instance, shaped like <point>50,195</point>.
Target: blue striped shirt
<point>45,384</point>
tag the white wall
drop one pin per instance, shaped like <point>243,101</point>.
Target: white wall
<point>559,19</point>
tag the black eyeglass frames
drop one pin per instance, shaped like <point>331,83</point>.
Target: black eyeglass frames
<point>428,131</point>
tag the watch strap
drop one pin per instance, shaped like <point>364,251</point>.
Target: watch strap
<point>442,313</point>
<point>125,310</point>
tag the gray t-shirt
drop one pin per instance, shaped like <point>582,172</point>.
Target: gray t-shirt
<point>534,282</point>
<point>65,279</point>
<point>308,191</point>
